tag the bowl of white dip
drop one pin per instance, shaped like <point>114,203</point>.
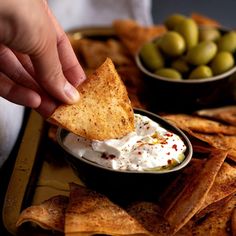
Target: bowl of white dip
<point>141,162</point>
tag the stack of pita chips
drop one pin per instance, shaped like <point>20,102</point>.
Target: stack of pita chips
<point>84,212</point>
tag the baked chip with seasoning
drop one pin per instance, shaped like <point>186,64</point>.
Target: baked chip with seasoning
<point>90,212</point>
<point>134,35</point>
<point>104,110</point>
<point>49,215</point>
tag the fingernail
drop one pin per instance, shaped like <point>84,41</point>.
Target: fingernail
<point>71,92</point>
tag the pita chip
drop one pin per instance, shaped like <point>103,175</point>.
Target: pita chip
<point>194,194</point>
<point>204,20</point>
<point>90,212</point>
<point>225,114</point>
<point>217,223</point>
<point>233,222</point>
<point>134,35</point>
<point>104,110</point>
<point>200,124</point>
<point>223,186</point>
<point>149,215</point>
<point>49,215</point>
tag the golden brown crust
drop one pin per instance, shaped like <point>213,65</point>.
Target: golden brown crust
<point>134,35</point>
<point>48,215</point>
<point>91,212</point>
<point>104,110</point>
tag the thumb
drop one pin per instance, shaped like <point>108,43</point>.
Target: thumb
<point>49,74</point>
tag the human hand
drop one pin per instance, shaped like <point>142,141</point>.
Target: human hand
<point>38,67</point>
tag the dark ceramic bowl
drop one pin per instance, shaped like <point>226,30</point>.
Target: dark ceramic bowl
<point>186,95</point>
<point>125,184</point>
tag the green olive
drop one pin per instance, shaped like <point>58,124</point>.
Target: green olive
<point>172,44</point>
<point>173,20</point>
<point>202,53</point>
<point>222,62</point>
<point>189,30</point>
<point>201,72</point>
<point>168,73</point>
<point>227,42</point>
<point>209,33</point>
<point>151,56</point>
<point>180,65</point>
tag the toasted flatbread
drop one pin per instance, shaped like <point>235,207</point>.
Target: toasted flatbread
<point>233,222</point>
<point>223,186</point>
<point>49,215</point>
<point>149,215</point>
<point>111,48</point>
<point>200,124</point>
<point>133,35</point>
<point>204,20</point>
<point>225,114</point>
<point>191,198</point>
<point>223,142</point>
<point>104,110</point>
<point>215,223</point>
<point>91,212</point>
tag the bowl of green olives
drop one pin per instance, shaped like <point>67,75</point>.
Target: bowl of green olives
<point>190,66</point>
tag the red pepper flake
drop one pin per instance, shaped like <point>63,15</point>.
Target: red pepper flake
<point>169,162</point>
<point>140,153</point>
<point>169,134</point>
<point>168,153</point>
<point>174,147</point>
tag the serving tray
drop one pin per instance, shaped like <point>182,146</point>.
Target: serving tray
<point>40,170</point>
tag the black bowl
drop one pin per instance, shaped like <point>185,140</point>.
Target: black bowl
<point>123,185</point>
<point>187,95</point>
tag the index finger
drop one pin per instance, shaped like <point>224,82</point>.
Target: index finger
<point>70,64</point>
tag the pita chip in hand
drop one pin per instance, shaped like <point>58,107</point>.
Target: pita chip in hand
<point>104,110</point>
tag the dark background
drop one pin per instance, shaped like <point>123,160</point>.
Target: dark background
<point>223,11</point>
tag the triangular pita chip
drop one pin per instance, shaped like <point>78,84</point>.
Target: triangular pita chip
<point>200,124</point>
<point>223,186</point>
<point>225,114</point>
<point>48,215</point>
<point>133,35</point>
<point>104,110</point>
<point>149,215</point>
<point>215,223</point>
<point>194,194</point>
<point>93,213</point>
<point>204,20</point>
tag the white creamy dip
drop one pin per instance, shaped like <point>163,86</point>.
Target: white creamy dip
<point>149,147</point>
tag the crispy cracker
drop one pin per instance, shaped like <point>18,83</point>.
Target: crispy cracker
<point>94,52</point>
<point>233,222</point>
<point>223,186</point>
<point>104,110</point>
<point>171,194</point>
<point>133,35</point>
<point>91,212</point>
<point>149,215</point>
<point>223,142</point>
<point>204,20</point>
<point>225,114</point>
<point>48,215</point>
<point>200,124</point>
<point>194,194</point>
<point>216,223</point>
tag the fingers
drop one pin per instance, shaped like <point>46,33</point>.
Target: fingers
<point>16,78</point>
<point>70,65</point>
<point>17,93</point>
